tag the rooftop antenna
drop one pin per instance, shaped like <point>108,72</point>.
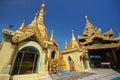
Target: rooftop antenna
<point>43,1</point>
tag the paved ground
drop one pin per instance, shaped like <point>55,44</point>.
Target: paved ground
<point>102,74</point>
<point>95,74</point>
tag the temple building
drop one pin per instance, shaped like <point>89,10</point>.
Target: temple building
<point>103,48</point>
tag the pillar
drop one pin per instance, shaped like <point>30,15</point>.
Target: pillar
<point>114,55</point>
<point>88,64</point>
<point>81,62</point>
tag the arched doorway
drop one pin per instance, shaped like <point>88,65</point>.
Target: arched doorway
<point>71,64</point>
<point>26,61</point>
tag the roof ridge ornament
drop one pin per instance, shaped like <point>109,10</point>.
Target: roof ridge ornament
<point>86,17</point>
<point>73,36</point>
<point>22,25</point>
<point>52,35</point>
<point>66,44</point>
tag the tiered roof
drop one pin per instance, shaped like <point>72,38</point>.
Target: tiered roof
<point>93,38</point>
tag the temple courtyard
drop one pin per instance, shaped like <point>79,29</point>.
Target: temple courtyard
<point>95,74</point>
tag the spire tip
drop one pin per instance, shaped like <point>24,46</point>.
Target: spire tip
<point>86,17</point>
<point>43,3</point>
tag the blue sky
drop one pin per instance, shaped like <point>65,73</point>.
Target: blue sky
<point>62,15</point>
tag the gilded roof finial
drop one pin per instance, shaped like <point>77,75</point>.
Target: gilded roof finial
<point>36,16</point>
<point>42,11</point>
<point>22,25</point>
<point>66,44</point>
<point>73,37</point>
<point>88,24</point>
<point>43,3</point>
<point>34,21</point>
<point>52,36</point>
<point>86,17</point>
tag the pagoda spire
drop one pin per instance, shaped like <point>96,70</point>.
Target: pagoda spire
<point>52,35</point>
<point>33,23</point>
<point>21,29</point>
<point>89,28</point>
<point>86,17</point>
<point>40,22</point>
<point>35,18</point>
<point>66,44</point>
<point>41,13</point>
<point>88,23</point>
<point>73,37</point>
<point>73,42</point>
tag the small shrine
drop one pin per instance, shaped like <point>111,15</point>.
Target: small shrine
<point>76,56</point>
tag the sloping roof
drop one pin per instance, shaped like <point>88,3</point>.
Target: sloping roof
<point>36,29</point>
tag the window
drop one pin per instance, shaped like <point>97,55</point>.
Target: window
<point>53,55</point>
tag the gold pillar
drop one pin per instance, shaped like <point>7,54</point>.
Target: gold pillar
<point>82,65</point>
<point>88,64</point>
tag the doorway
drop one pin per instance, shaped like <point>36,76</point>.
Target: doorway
<point>100,57</point>
<point>26,61</point>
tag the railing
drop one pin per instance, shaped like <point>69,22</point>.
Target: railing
<point>105,64</point>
